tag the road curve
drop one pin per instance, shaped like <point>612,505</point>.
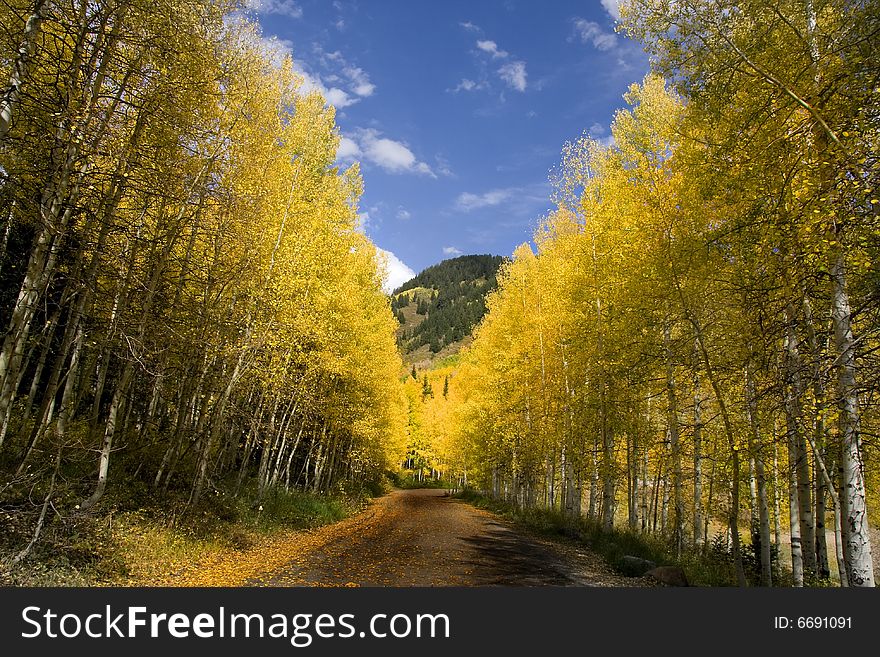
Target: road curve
<point>426,538</point>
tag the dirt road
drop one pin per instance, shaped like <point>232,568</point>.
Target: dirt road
<point>425,538</point>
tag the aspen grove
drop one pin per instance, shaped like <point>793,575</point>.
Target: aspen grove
<point>685,353</point>
<point>187,298</point>
<point>690,350</point>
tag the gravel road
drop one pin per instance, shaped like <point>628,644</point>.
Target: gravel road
<point>426,538</point>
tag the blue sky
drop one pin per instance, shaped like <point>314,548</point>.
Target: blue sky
<point>456,110</point>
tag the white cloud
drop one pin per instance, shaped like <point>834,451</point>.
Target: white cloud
<point>466,85</point>
<point>512,202</point>
<point>337,97</point>
<point>468,201</point>
<point>388,154</point>
<point>403,214</point>
<point>395,271</point>
<point>470,27</point>
<point>514,74</point>
<point>366,222</point>
<point>329,85</point>
<point>281,7</point>
<point>348,149</point>
<point>276,50</point>
<point>600,134</point>
<point>492,48</point>
<point>391,155</point>
<point>612,7</point>
<point>333,95</point>
<point>360,81</point>
<point>451,251</point>
<point>441,166</point>
<point>592,32</point>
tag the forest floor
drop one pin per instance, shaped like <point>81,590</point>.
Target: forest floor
<point>418,537</point>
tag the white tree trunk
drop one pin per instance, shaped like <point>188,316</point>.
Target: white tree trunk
<point>698,461</point>
<point>12,94</point>
<point>856,540</point>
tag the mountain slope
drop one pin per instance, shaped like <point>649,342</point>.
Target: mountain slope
<point>439,308</point>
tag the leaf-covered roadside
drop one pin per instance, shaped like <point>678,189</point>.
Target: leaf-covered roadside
<point>222,543</point>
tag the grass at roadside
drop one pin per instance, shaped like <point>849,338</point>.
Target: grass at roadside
<point>708,566</point>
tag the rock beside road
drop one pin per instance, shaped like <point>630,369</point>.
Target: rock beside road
<point>669,575</point>
<point>634,566</point>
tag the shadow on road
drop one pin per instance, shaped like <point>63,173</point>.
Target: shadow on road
<point>503,558</point>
